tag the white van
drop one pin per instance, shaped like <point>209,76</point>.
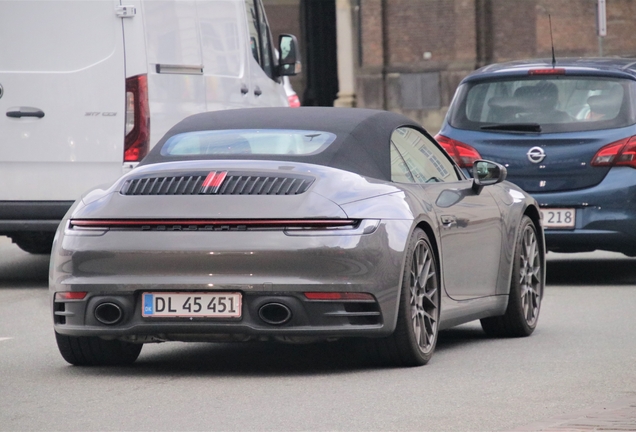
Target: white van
<point>87,87</point>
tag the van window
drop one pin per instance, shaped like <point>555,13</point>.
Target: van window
<point>247,141</point>
<point>551,104</point>
<point>260,36</point>
<point>252,25</point>
<point>266,42</point>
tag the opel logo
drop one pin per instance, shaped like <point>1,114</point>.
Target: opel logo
<point>1,91</point>
<point>535,154</point>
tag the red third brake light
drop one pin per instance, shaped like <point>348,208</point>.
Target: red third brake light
<point>463,154</point>
<point>549,71</point>
<point>136,142</point>
<point>618,153</point>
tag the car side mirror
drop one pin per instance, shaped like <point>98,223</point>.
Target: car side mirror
<point>486,173</point>
<point>289,61</point>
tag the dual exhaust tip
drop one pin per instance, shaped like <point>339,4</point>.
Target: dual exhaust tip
<point>109,313</point>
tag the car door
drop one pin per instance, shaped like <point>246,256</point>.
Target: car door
<point>469,224</point>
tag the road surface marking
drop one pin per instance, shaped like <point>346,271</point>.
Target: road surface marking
<point>4,338</point>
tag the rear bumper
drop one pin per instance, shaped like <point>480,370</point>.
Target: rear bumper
<point>23,216</point>
<point>605,215</point>
<point>321,319</point>
<point>117,266</point>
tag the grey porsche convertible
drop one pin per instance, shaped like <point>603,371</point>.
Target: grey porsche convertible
<point>296,226</point>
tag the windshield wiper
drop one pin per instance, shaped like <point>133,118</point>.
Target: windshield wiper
<point>515,127</point>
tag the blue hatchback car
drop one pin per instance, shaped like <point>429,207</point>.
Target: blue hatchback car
<point>566,132</point>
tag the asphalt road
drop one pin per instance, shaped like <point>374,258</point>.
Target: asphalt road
<point>581,357</point>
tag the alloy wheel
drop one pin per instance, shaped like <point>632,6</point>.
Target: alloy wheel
<point>424,295</point>
<point>530,275</point>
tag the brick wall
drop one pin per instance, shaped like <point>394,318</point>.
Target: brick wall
<point>444,40</point>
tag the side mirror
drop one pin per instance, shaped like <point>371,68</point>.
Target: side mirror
<point>289,61</point>
<point>486,173</point>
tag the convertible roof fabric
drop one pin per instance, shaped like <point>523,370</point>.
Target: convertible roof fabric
<point>361,146</point>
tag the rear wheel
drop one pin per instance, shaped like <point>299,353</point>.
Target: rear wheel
<point>526,288</point>
<point>415,336</point>
<point>94,351</point>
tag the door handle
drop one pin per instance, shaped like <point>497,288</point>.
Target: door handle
<point>257,91</point>
<point>25,112</point>
<point>448,220</point>
<point>244,89</point>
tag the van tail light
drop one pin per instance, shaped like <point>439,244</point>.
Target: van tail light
<point>136,142</point>
<point>618,153</point>
<point>463,154</point>
<point>294,101</point>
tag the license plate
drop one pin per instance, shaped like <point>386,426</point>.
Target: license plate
<point>193,304</point>
<point>558,217</point>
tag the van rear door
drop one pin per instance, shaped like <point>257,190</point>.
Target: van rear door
<point>62,111</point>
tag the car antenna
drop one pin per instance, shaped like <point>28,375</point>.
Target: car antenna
<point>552,42</point>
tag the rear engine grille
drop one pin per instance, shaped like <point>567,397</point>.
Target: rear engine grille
<point>219,183</point>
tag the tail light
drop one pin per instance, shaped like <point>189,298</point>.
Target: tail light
<point>70,295</point>
<point>293,100</point>
<point>618,153</point>
<point>463,154</point>
<point>136,142</point>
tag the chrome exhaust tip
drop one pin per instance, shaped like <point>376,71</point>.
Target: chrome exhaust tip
<point>108,313</point>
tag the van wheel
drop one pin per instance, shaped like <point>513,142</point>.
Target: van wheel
<point>35,242</point>
<point>526,288</point>
<point>415,336</point>
<point>94,351</point>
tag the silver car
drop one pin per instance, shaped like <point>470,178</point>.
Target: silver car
<point>296,226</point>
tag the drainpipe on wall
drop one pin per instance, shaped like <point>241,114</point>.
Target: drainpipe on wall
<point>346,55</point>
<point>385,54</point>
<point>483,30</point>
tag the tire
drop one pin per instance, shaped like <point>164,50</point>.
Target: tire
<point>35,242</point>
<point>415,337</point>
<point>526,287</point>
<point>94,351</point>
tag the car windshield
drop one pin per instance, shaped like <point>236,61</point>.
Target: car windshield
<point>544,104</point>
<point>247,141</point>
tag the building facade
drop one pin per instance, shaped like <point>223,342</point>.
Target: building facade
<point>408,56</point>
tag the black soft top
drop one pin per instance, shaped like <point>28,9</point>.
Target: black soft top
<point>361,145</point>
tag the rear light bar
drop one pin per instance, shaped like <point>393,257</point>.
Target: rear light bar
<point>136,141</point>
<point>550,71</point>
<point>618,153</point>
<point>230,224</point>
<point>463,154</point>
<point>70,295</point>
<point>338,296</point>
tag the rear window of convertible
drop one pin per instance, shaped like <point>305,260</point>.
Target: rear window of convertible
<point>247,141</point>
<point>545,104</point>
